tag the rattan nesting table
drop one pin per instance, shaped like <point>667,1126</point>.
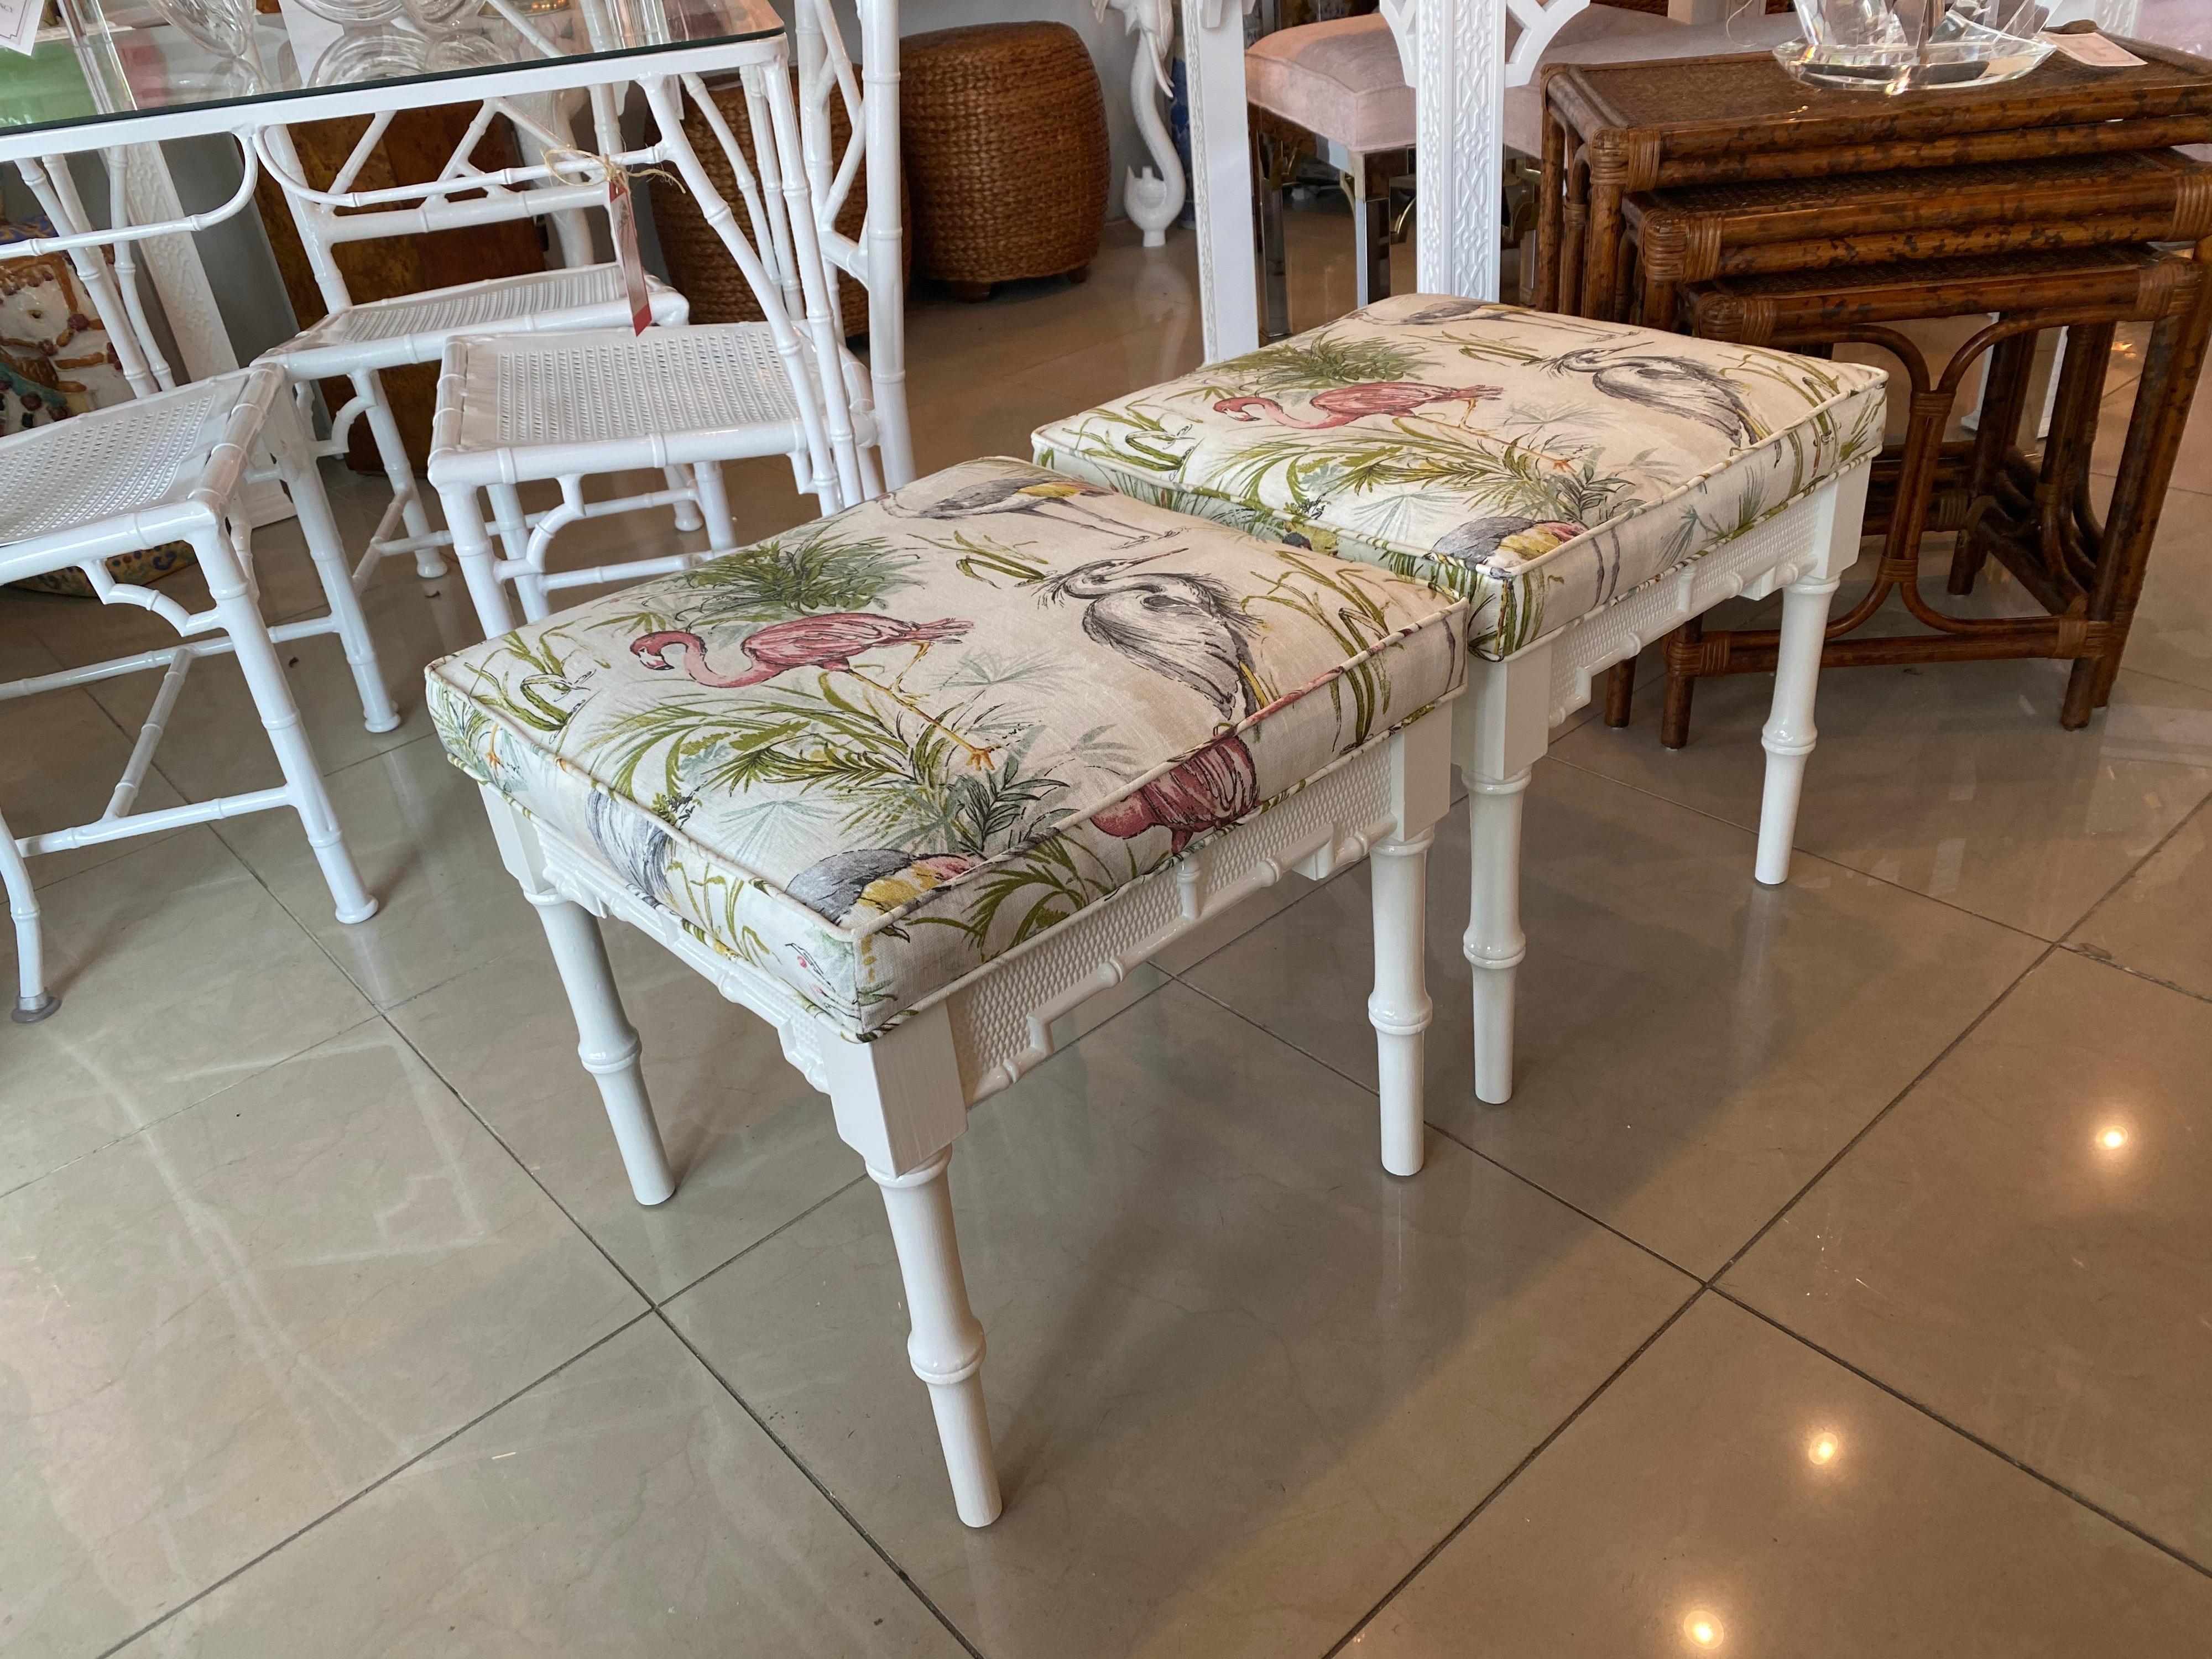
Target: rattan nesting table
<point>1614,129</point>
<point>1699,232</point>
<point>2035,516</point>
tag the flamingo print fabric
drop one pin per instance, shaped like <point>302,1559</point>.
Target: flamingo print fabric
<point>1540,466</point>
<point>871,755</point>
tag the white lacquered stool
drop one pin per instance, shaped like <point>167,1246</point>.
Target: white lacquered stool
<point>1587,485</point>
<point>914,781</point>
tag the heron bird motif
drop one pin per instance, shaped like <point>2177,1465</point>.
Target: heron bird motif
<point>1479,541</point>
<point>1030,494</point>
<point>827,642</point>
<point>634,843</point>
<point>880,878</point>
<point>1183,627</point>
<point>1451,310</point>
<point>1343,405</point>
<point>1673,386</point>
<point>1214,786</point>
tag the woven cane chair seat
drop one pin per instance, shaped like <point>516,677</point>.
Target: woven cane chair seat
<point>505,394</point>
<point>130,458</point>
<point>1542,466</point>
<point>413,328</point>
<point>874,794</point>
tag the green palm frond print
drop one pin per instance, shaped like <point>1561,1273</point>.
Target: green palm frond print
<point>802,573</point>
<point>1316,364</point>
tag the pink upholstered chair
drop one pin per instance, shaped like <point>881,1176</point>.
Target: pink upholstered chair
<point>1344,83</point>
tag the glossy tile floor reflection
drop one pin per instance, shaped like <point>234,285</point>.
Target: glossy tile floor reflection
<point>1836,1285</point>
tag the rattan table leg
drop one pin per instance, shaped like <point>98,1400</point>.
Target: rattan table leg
<point>2171,363</point>
<point>2003,394</point>
<point>1551,202</point>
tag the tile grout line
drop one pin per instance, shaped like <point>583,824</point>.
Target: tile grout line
<point>1510,1477</point>
<point>1476,1153</point>
<point>2203,808</point>
<point>2092,953</point>
<point>1966,1434</point>
<point>812,1479</point>
<point>1800,851</point>
<point>1875,1122</point>
<point>389,1475</point>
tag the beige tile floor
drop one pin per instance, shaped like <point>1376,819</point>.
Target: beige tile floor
<point>1836,1285</point>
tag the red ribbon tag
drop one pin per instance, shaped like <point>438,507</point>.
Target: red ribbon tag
<point>621,215</point>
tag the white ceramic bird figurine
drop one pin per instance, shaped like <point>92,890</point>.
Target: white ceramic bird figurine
<point>1153,200</point>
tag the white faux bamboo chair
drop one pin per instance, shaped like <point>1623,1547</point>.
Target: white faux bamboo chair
<point>128,479</point>
<point>515,409</point>
<point>356,342</point>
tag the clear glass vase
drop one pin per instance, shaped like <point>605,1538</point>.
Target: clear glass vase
<point>1873,46</point>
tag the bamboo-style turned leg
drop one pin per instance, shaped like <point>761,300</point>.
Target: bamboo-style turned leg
<point>1495,944</point>
<point>472,548</point>
<point>398,471</point>
<point>606,1042</point>
<point>1789,734</point>
<point>946,1345</point>
<point>715,506</point>
<point>1399,1009</point>
<point>1275,260</point>
<point>295,464</point>
<point>280,718</point>
<point>32,1003</point>
<point>688,516</point>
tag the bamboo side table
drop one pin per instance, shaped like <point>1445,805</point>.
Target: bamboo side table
<point>1612,129</point>
<point>2035,518</point>
<point>1698,232</point>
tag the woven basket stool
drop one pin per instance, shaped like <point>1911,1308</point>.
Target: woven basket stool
<point>698,266</point>
<point>1004,131</point>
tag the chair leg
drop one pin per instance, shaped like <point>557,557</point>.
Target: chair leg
<point>607,1043</point>
<point>509,520</point>
<point>688,516</point>
<point>32,1002</point>
<point>472,548</point>
<point>1370,225</point>
<point>398,470</point>
<point>1274,258</point>
<point>280,718</point>
<point>295,464</point>
<point>946,1344</point>
<point>714,506</point>
<point>1495,944</point>
<point>1399,1009</point>
<point>1790,733</point>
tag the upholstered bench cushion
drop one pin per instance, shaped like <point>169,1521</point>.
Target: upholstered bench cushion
<point>1543,466</point>
<point>872,754</point>
<point>1343,80</point>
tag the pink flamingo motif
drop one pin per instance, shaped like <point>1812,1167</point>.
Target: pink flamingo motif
<point>828,641</point>
<point>1216,786</point>
<point>1342,405</point>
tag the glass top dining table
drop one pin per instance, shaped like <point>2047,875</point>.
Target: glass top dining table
<point>123,71</point>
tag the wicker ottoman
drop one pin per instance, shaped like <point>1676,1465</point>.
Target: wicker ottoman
<point>1003,129</point>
